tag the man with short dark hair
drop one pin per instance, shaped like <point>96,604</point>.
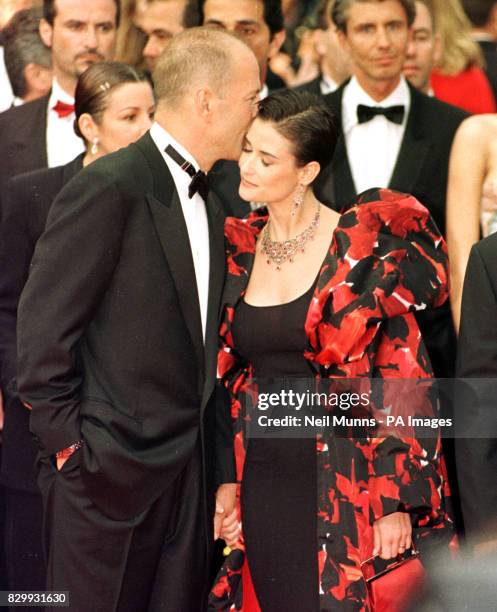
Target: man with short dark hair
<point>391,134</point>
<point>119,362</point>
<point>424,50</point>
<point>40,134</point>
<point>161,20</point>
<point>27,60</point>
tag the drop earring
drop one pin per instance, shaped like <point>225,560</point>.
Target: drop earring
<point>298,199</point>
<point>94,146</point>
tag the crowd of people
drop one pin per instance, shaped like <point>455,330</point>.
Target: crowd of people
<point>197,196</point>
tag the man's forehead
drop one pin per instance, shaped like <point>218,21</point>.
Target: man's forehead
<point>376,11</point>
<point>423,17</point>
<point>85,11</point>
<point>163,15</point>
<point>239,11</point>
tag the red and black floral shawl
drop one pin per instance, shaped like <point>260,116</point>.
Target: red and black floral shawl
<point>387,260</point>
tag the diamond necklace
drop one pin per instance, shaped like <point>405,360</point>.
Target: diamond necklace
<point>279,252</point>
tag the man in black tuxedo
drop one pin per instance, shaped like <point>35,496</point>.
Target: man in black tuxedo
<point>260,23</point>
<point>25,207</point>
<point>117,345</point>
<point>391,134</point>
<point>477,358</point>
<point>40,134</point>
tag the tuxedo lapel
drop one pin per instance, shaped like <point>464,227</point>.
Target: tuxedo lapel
<point>343,187</point>
<point>413,149</point>
<point>170,225</point>
<point>215,217</point>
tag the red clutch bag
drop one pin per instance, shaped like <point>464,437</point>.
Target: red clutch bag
<point>393,584</point>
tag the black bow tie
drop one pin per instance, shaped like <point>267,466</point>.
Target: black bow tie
<point>395,114</point>
<point>200,181</point>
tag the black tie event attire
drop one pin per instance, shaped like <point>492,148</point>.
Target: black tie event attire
<point>25,207</point>
<point>123,357</point>
<point>412,157</point>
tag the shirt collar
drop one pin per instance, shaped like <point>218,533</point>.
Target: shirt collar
<point>327,84</point>
<point>163,138</point>
<point>58,94</point>
<point>354,95</point>
<point>264,92</point>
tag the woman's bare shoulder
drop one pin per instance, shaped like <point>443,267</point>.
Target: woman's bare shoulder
<point>478,129</point>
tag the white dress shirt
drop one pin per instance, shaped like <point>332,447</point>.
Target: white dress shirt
<point>194,212</point>
<point>62,143</point>
<point>327,85</point>
<point>372,147</point>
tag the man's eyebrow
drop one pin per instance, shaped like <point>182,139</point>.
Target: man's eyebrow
<point>242,22</point>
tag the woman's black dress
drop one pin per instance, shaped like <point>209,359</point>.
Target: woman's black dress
<point>279,488</point>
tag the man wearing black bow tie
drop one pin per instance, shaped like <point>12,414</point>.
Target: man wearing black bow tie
<point>391,134</point>
<point>117,339</point>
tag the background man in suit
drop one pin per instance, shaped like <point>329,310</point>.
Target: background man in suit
<point>27,60</point>
<point>391,134</point>
<point>119,363</point>
<point>260,24</point>
<point>40,134</point>
<point>161,20</point>
<point>477,358</point>
<point>424,49</point>
<point>334,62</point>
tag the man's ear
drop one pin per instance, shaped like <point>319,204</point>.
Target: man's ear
<point>203,100</point>
<point>276,41</point>
<point>46,33</point>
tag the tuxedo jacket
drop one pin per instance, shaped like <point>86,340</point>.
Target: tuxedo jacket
<point>422,164</point>
<point>477,358</point>
<point>25,205</point>
<point>110,346</point>
<point>421,170</point>
<point>313,87</point>
<point>23,131</point>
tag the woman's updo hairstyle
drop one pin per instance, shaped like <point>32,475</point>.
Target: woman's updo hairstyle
<point>95,84</point>
<point>306,121</point>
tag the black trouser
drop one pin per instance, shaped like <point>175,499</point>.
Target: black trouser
<point>23,543</point>
<point>155,561</point>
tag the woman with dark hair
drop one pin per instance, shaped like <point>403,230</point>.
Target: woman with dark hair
<point>114,107</point>
<point>314,294</point>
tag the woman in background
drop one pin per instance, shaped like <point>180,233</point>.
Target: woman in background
<point>471,196</point>
<point>314,294</point>
<point>114,107</point>
<point>458,78</point>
